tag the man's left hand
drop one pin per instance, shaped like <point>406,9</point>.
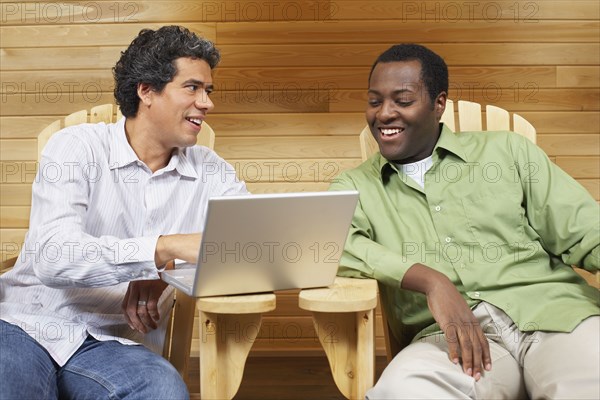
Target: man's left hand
<point>140,304</point>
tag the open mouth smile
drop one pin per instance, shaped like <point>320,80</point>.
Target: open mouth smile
<point>195,121</point>
<point>390,133</point>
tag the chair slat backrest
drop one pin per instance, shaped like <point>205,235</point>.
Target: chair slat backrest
<point>102,113</point>
<point>523,127</point>
<point>496,119</point>
<point>76,118</point>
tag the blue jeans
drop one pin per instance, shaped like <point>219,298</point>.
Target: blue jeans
<point>98,370</point>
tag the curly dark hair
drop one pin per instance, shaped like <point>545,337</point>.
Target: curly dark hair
<point>434,71</point>
<point>150,58</point>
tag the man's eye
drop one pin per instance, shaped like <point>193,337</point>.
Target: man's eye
<point>404,103</point>
<point>193,88</point>
<point>374,103</point>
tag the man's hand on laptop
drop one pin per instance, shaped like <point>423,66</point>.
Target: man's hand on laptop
<point>183,246</point>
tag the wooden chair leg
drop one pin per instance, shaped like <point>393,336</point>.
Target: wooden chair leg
<point>228,328</point>
<point>348,339</point>
<point>225,343</point>
<point>181,334</point>
<point>343,314</point>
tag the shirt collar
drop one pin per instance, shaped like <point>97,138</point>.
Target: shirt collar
<point>181,163</point>
<point>122,154</point>
<point>447,141</point>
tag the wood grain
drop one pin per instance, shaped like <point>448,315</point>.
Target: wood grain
<point>261,55</point>
<point>420,31</point>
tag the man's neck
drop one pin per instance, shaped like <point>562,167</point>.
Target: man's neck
<point>143,141</point>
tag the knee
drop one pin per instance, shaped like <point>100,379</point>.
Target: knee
<point>166,383</point>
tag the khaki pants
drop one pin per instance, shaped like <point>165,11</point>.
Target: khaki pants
<point>535,365</point>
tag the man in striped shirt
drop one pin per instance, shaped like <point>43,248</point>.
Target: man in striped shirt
<point>123,200</point>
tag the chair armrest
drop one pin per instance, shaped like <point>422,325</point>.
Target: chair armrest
<point>344,295</point>
<point>7,264</point>
<point>344,320</point>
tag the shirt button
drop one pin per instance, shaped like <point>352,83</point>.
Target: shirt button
<point>462,266</point>
<point>448,239</point>
<point>476,294</point>
<point>438,208</point>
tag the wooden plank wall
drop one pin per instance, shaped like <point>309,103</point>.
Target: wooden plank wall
<point>291,88</point>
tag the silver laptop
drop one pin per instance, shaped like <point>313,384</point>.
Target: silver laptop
<point>261,243</point>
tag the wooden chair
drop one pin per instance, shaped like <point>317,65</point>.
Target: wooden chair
<point>337,302</point>
<point>222,355</point>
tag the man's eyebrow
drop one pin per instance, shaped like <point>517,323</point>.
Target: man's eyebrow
<point>399,91</point>
<point>197,82</point>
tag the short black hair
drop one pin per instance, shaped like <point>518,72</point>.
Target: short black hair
<point>150,58</point>
<point>434,71</point>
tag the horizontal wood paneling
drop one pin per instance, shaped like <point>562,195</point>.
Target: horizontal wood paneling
<point>528,98</point>
<point>419,31</point>
<point>287,147</point>
<point>321,55</point>
<point>453,11</point>
<point>319,124</point>
<point>293,78</point>
<point>580,167</point>
<point>308,32</point>
<point>571,76</point>
<point>291,87</point>
<point>85,35</point>
<point>570,144</point>
<point>516,99</point>
<point>105,12</point>
<point>14,216</point>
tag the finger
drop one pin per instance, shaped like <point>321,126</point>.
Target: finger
<point>485,351</point>
<point>466,350</point>
<point>128,305</point>
<point>153,311</point>
<point>477,354</point>
<point>132,312</point>
<point>133,307</point>
<point>452,341</point>
<point>144,311</point>
<point>144,317</point>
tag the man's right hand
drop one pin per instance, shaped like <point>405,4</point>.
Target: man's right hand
<point>450,310</point>
<point>184,247</point>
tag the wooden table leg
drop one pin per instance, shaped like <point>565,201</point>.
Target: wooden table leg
<point>347,339</point>
<point>345,324</point>
<point>229,326</point>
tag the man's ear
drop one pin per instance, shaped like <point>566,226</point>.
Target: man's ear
<point>145,92</point>
<point>440,104</point>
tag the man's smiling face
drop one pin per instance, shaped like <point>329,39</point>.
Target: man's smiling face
<point>400,113</point>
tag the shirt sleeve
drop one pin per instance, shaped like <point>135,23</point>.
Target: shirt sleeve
<point>559,209</point>
<point>61,252</point>
<point>362,256</point>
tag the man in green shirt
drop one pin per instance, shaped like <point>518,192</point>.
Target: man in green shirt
<point>471,236</point>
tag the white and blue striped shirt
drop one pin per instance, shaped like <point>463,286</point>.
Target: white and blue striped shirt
<point>97,212</point>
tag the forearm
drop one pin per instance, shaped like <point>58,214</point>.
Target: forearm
<point>62,259</point>
<point>423,279</point>
<point>180,246</point>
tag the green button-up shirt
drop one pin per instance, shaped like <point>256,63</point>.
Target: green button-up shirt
<point>496,216</point>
